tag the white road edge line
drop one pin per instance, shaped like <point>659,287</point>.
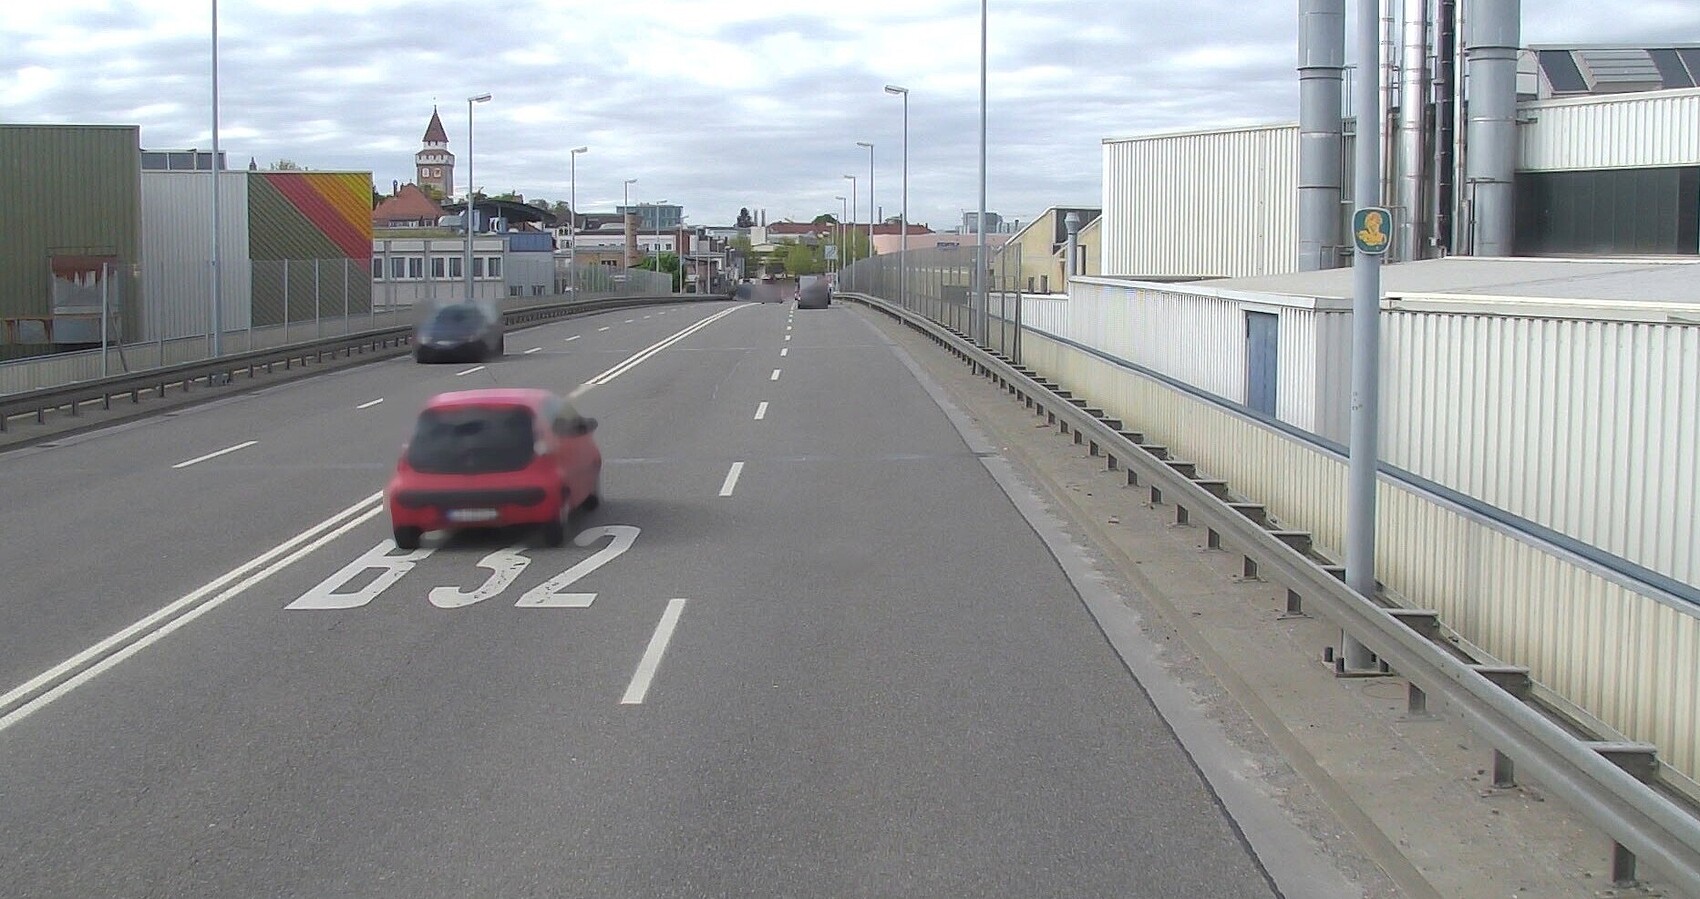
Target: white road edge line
<point>370,403</point>
<point>761,411</point>
<point>103,654</point>
<point>775,375</point>
<point>469,371</point>
<point>535,349</point>
<point>229,449</point>
<point>731,482</point>
<point>639,687</point>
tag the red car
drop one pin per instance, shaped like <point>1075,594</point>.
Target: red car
<point>494,458</point>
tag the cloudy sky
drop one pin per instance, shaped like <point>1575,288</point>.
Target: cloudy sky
<point>713,104</point>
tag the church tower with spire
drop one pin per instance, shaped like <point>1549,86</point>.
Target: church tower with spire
<point>434,162</point>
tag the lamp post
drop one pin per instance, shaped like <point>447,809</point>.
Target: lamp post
<point>217,328</point>
<point>850,232</point>
<point>572,215</point>
<point>471,195</point>
<point>843,204</point>
<point>626,221</point>
<point>903,223</point>
<point>873,211</point>
<point>980,222</point>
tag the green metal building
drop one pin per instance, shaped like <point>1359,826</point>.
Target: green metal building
<point>70,221</point>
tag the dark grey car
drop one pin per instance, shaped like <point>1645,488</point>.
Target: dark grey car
<point>817,294</point>
<point>459,332</point>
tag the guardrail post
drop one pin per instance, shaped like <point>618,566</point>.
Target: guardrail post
<point>1295,605</point>
<point>1504,771</point>
<point>1212,539</point>
<point>1622,866</point>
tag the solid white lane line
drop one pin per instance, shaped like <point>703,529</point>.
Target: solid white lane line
<point>574,337</point>
<point>785,352</point>
<point>775,375</point>
<point>370,403</point>
<point>761,411</point>
<point>604,328</point>
<point>731,482</point>
<point>469,371</point>
<point>578,391</point>
<point>229,449</point>
<point>639,687</point>
<point>535,349</point>
<point>103,651</point>
<point>641,355</point>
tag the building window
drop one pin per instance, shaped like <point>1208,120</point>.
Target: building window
<point>536,290</point>
<point>398,267</point>
<point>377,268</point>
<point>436,266</point>
<point>415,267</point>
<point>495,266</point>
<point>478,266</point>
<point>455,267</point>
<point>516,290</point>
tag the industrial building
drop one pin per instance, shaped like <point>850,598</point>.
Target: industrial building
<point>1540,327</point>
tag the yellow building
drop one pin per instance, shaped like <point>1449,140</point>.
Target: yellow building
<point>1043,246</point>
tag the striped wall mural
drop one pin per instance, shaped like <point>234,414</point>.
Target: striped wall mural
<point>310,239</point>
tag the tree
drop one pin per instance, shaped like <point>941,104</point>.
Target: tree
<point>801,260</point>
<point>894,219</point>
<point>826,218</point>
<point>745,220</point>
<point>286,165</point>
<point>669,263</point>
<point>742,243</point>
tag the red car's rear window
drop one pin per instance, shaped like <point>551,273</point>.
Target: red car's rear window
<point>472,440</point>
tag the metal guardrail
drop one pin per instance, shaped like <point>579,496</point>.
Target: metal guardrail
<point>1644,820</point>
<point>382,342</point>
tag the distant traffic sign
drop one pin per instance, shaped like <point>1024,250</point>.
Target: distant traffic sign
<point>832,251</point>
<point>1372,229</point>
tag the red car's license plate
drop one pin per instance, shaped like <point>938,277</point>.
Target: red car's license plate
<point>465,515</point>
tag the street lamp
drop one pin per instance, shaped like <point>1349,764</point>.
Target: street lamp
<point>626,221</point>
<point>873,211</point>
<point>839,262</point>
<point>471,194</point>
<point>850,234</point>
<point>572,215</point>
<point>980,223</point>
<point>903,224</point>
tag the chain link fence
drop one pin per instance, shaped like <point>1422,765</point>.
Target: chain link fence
<point>939,284</point>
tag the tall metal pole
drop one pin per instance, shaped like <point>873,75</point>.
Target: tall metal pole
<point>903,223</point>
<point>471,196</point>
<point>980,222</point>
<point>873,211</point>
<point>850,226</point>
<point>217,304</point>
<point>1366,337</point>
<point>572,217</point>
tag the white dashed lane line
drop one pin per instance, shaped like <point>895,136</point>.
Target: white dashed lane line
<point>775,375</point>
<point>731,482</point>
<point>535,349</point>
<point>214,455</point>
<point>761,411</point>
<point>573,338</point>
<point>475,368</point>
<point>785,352</point>
<point>603,328</point>
<point>370,403</point>
<point>639,687</point>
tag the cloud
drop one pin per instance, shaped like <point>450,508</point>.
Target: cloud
<point>711,105</point>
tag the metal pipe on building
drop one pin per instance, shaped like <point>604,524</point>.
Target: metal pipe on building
<point>1366,348</point>
<point>1322,60</point>
<point>1443,200</point>
<point>1411,156</point>
<point>1386,73</point>
<point>1071,223</point>
<point>216,327</point>
<point>1490,73</point>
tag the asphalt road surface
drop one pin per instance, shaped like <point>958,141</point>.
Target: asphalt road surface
<point>807,647</point>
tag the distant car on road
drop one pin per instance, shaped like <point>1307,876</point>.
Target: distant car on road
<point>817,294</point>
<point>460,331</point>
<point>494,458</point>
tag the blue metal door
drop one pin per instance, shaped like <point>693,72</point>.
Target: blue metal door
<point>1262,340</point>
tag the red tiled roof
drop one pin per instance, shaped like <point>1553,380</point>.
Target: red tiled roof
<point>434,133</point>
<point>410,204</point>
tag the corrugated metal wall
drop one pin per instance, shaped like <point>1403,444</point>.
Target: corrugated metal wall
<point>1219,203</point>
<point>1626,657</point>
<point>1587,427</point>
<point>177,253</point>
<point>64,189</point>
<point>1643,130</point>
<point>299,216</point>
